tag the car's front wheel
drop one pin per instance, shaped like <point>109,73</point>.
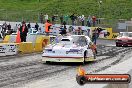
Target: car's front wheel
<point>117,45</point>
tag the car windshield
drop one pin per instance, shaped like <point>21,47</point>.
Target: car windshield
<point>123,34</point>
<point>79,40</point>
<point>130,35</point>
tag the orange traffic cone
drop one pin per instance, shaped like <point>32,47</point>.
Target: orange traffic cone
<point>18,39</point>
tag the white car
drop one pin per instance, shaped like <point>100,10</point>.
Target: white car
<point>74,48</point>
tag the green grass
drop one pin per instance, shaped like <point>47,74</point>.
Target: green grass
<point>16,10</point>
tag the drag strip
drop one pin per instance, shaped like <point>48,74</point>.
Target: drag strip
<point>19,70</point>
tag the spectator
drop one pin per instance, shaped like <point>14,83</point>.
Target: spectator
<point>47,27</point>
<point>9,29</point>
<point>94,36</point>
<point>61,19</point>
<point>66,17</point>
<point>36,26</point>
<point>82,20</point>
<point>89,21</point>
<point>41,18</point>
<point>40,31</point>
<point>73,18</point>
<point>53,19</point>
<point>29,26</point>
<point>23,32</point>
<point>79,19</point>
<point>64,23</point>
<point>46,17</point>
<point>63,30</point>
<point>9,26</point>
<point>15,28</point>
<point>94,20</point>
<point>71,29</point>
<point>4,28</point>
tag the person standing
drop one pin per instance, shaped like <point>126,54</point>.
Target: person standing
<point>36,26</point>
<point>53,19</point>
<point>94,20</point>
<point>46,17</point>
<point>94,36</point>
<point>23,32</point>
<point>89,21</point>
<point>47,27</point>
<point>66,18</point>
<point>61,19</point>
<point>82,19</point>
<point>9,29</point>
<point>29,26</point>
<point>41,18</point>
<point>73,19</point>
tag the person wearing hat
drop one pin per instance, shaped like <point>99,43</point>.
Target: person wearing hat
<point>23,32</point>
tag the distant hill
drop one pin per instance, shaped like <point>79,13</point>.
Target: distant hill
<point>29,9</point>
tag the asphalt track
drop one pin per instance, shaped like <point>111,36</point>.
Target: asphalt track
<point>21,70</point>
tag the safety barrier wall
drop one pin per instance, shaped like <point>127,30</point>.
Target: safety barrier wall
<point>106,33</point>
<point>8,49</point>
<point>35,43</point>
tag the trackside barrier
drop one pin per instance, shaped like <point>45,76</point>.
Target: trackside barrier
<point>115,35</point>
<point>38,45</point>
<point>8,49</point>
<point>6,39</point>
<point>41,42</point>
<point>2,50</point>
<point>26,47</point>
<point>106,33</point>
<point>32,38</point>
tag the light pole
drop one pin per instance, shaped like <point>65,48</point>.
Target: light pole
<point>100,2</point>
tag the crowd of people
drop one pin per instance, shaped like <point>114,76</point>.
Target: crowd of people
<point>7,28</point>
<point>73,19</point>
<point>44,19</point>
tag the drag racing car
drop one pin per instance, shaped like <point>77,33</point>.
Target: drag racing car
<point>74,48</point>
<point>124,39</point>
